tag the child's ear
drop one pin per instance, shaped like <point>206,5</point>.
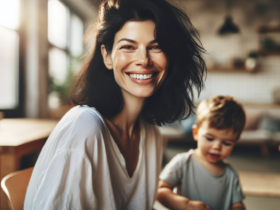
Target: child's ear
<point>194,132</point>
<point>106,58</point>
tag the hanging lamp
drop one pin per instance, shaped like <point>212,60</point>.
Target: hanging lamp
<point>228,27</point>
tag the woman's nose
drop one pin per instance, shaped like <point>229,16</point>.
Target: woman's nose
<point>142,58</point>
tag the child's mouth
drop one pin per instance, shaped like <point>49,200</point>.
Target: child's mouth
<point>214,156</point>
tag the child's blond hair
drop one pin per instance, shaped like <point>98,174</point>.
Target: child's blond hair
<point>221,112</point>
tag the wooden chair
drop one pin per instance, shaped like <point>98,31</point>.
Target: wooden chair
<point>14,186</point>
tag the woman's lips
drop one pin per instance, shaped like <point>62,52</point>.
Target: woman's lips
<point>141,76</point>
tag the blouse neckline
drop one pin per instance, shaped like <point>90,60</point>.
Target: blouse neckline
<point>120,157</point>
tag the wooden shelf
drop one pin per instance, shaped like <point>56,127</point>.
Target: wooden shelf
<point>228,69</point>
<point>268,29</point>
<point>268,52</point>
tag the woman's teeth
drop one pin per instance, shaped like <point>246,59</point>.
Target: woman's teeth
<point>141,76</point>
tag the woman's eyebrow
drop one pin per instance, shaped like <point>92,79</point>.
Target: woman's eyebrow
<point>127,40</point>
<point>154,41</point>
<point>133,41</point>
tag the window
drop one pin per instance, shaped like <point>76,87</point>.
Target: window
<point>9,57</point>
<point>65,35</point>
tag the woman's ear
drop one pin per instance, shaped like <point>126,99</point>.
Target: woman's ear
<point>106,58</point>
<point>195,132</point>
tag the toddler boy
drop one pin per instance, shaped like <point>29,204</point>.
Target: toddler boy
<point>205,181</point>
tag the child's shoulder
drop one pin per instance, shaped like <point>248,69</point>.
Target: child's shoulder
<point>230,169</point>
<point>174,170</point>
<point>182,157</point>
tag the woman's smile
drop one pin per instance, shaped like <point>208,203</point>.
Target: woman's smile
<point>141,76</point>
<point>142,79</point>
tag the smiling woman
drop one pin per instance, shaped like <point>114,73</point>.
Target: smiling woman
<point>139,65</point>
<point>106,152</point>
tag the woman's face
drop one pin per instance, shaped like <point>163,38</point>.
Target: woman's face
<point>139,64</point>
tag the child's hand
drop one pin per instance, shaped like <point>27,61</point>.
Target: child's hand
<point>173,201</point>
<point>197,205</point>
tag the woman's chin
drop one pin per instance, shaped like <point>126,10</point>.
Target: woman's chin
<point>143,93</point>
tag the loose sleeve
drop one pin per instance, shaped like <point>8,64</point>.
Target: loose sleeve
<point>67,183</point>
<point>237,195</point>
<point>173,171</point>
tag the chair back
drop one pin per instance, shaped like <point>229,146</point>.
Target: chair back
<point>14,186</point>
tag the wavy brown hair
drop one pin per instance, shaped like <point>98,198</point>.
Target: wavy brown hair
<point>179,40</point>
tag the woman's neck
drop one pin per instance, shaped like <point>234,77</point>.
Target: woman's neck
<point>125,130</point>
<point>126,120</point>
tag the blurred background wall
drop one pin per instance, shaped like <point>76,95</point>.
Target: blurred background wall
<point>225,50</point>
<point>41,48</point>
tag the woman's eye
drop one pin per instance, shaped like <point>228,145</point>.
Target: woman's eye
<point>155,47</point>
<point>127,47</point>
<point>209,139</point>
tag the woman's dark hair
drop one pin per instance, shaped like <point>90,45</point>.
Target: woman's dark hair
<point>179,40</point>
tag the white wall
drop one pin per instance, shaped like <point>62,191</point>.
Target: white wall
<point>246,87</point>
<point>208,17</point>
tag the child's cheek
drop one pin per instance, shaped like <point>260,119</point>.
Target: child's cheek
<point>206,145</point>
<point>207,142</point>
<point>227,151</point>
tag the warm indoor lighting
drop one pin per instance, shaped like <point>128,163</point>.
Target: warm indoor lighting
<point>9,13</point>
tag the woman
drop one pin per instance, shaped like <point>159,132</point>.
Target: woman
<point>106,152</point>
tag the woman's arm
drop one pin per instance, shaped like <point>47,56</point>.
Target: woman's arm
<point>173,201</point>
<point>238,206</point>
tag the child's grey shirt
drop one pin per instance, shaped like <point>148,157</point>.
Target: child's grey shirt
<point>219,192</point>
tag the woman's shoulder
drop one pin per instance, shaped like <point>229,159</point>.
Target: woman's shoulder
<point>83,111</point>
<point>79,124</point>
<point>150,128</point>
<point>83,115</point>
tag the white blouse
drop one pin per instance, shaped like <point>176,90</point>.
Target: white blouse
<point>81,167</point>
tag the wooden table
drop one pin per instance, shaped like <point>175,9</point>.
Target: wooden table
<point>19,137</point>
<point>260,184</point>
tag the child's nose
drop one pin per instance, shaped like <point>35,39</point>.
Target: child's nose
<point>217,144</point>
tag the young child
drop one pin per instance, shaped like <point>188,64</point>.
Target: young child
<point>205,181</point>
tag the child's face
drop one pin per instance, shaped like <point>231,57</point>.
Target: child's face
<point>139,64</point>
<point>214,145</point>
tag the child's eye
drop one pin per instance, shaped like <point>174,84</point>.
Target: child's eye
<point>227,144</point>
<point>209,139</point>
